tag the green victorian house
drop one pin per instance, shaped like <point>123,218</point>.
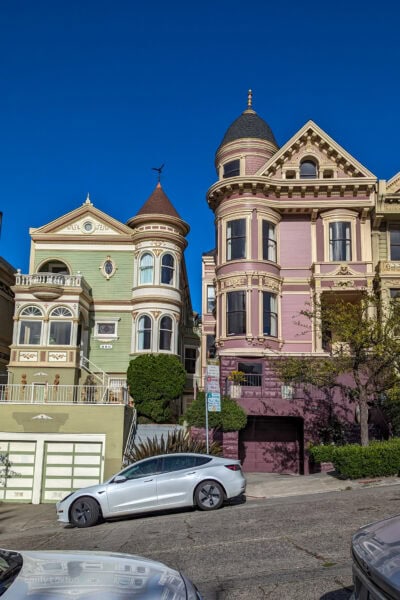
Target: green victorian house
<point>98,294</point>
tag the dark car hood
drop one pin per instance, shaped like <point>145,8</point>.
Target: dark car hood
<point>94,576</point>
<point>376,548</point>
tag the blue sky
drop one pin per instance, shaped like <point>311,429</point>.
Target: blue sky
<point>96,93</point>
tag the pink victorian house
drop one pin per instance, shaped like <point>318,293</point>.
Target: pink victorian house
<point>292,223</point>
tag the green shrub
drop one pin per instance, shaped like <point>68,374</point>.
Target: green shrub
<point>379,459</point>
<point>231,418</point>
<point>176,441</point>
<point>322,453</point>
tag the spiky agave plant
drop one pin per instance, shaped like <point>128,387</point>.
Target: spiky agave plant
<point>175,441</point>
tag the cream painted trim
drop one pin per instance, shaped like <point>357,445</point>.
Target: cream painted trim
<point>41,439</point>
<point>336,216</point>
<point>224,223</point>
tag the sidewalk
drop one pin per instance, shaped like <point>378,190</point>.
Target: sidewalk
<point>276,485</point>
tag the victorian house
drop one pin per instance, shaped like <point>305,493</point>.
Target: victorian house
<point>98,294</point>
<point>293,224</point>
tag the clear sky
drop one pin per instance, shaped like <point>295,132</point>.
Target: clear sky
<point>94,93</point>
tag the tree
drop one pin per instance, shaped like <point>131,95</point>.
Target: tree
<point>364,351</point>
<point>231,418</point>
<point>154,381</point>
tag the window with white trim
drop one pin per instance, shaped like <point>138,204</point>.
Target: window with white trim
<point>59,328</point>
<point>210,298</point>
<point>190,360</point>
<point>106,328</point>
<point>394,244</point>
<point>165,338</point>
<point>146,268</point>
<point>30,326</point>
<point>308,169</point>
<point>236,313</point>
<point>270,315</point>
<point>269,241</point>
<point>144,333</point>
<point>167,269</point>
<point>340,241</point>
<point>236,239</point>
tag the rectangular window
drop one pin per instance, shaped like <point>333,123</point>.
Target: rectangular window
<point>236,313</point>
<point>236,239</point>
<point>210,298</point>
<point>269,241</point>
<point>395,244</point>
<point>60,333</point>
<point>30,332</point>
<point>253,374</point>
<point>270,316</point>
<point>106,329</point>
<point>339,241</point>
<point>232,168</point>
<point>210,346</point>
<point>190,360</point>
<point>395,293</point>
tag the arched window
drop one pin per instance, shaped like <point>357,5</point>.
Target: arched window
<point>167,269</point>
<point>144,333</point>
<point>308,169</point>
<point>146,268</point>
<point>165,333</point>
<point>30,327</point>
<point>54,266</point>
<point>60,329</point>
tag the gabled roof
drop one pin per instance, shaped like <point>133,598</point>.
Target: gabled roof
<point>393,185</point>
<point>71,224</point>
<point>315,136</point>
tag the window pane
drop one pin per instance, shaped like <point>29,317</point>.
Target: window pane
<point>106,328</point>
<point>232,168</point>
<point>60,333</point>
<point>270,317</point>
<point>236,239</point>
<point>253,373</point>
<point>210,298</point>
<point>340,241</point>
<point>308,169</point>
<point>395,245</point>
<point>165,333</point>
<point>190,360</point>
<point>269,241</point>
<point>236,313</point>
<point>30,332</point>
<point>167,269</point>
<point>146,269</point>
<point>144,333</point>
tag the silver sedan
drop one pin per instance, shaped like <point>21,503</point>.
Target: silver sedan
<point>156,483</point>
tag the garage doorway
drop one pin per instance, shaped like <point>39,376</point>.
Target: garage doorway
<point>272,445</point>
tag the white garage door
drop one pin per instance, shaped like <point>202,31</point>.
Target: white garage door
<point>18,487</point>
<point>68,466</point>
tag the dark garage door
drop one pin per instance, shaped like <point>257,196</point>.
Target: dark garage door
<point>272,445</point>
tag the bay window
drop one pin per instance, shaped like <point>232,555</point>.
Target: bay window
<point>270,315</point>
<point>236,239</point>
<point>269,241</point>
<point>236,313</point>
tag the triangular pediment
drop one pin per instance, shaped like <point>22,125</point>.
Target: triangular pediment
<point>393,185</point>
<point>83,221</point>
<point>313,143</point>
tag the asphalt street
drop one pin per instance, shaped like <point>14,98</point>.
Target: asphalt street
<point>289,547</point>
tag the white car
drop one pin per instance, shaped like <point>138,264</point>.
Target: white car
<point>156,483</point>
<point>89,576</point>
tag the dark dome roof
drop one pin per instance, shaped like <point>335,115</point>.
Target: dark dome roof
<point>248,125</point>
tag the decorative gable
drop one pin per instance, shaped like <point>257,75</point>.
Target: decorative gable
<point>312,144</point>
<point>393,185</point>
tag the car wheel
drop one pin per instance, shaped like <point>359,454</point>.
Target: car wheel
<point>209,495</point>
<point>85,512</point>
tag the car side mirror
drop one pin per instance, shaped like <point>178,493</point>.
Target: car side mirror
<point>119,479</point>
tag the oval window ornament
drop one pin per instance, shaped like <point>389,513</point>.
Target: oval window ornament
<point>108,268</point>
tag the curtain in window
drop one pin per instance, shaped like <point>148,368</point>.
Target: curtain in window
<point>340,241</point>
<point>146,269</point>
<point>236,313</point>
<point>165,333</point>
<point>270,315</point>
<point>60,333</point>
<point>30,332</point>
<point>144,333</point>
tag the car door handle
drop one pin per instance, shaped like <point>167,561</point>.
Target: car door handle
<point>146,480</point>
<point>191,473</point>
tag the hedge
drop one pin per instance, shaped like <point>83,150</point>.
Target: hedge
<point>352,461</point>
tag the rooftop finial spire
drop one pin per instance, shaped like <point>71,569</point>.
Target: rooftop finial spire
<point>159,171</point>
<point>249,99</point>
<point>87,201</point>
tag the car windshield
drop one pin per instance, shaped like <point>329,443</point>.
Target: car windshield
<point>10,566</point>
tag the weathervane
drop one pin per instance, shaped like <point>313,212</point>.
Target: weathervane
<point>159,170</point>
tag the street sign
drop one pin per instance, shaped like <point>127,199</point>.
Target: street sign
<point>213,371</point>
<point>212,385</point>
<point>213,402</point>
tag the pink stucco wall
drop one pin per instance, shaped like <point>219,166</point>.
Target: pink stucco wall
<point>295,241</point>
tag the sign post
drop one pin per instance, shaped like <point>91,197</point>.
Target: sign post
<point>213,396</point>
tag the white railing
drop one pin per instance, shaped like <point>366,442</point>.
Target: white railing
<point>94,370</point>
<point>49,279</point>
<point>63,394</point>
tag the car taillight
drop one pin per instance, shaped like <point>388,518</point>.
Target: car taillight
<point>233,467</point>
